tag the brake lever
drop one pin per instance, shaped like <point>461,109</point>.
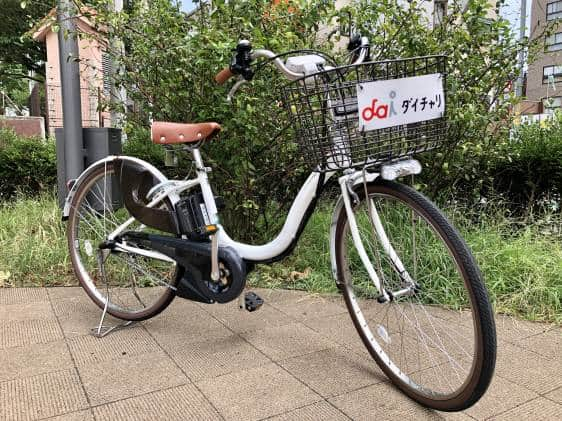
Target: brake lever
<point>234,88</point>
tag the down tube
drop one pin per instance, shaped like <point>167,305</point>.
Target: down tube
<point>290,229</point>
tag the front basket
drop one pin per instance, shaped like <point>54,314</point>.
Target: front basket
<point>324,114</point>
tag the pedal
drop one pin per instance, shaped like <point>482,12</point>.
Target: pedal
<point>252,301</point>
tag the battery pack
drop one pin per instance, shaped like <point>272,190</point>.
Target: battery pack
<point>193,217</point>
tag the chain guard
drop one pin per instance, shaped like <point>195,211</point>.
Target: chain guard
<point>194,257</point>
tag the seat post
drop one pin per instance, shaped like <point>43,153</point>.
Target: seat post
<point>208,195</point>
<point>197,159</point>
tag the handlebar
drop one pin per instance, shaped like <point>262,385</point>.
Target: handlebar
<point>226,73</point>
<point>240,64</point>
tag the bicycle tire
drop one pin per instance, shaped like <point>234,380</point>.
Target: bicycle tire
<point>483,363</point>
<point>87,280</point>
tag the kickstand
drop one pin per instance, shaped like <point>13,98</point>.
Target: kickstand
<point>104,330</point>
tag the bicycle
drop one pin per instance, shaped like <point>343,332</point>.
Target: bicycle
<point>137,240</point>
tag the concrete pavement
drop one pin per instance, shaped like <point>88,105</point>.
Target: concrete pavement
<point>297,358</point>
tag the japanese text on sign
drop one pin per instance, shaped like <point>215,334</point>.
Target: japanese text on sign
<point>395,102</point>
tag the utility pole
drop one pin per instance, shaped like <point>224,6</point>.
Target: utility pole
<point>70,89</point>
<point>117,95</point>
<point>522,28</point>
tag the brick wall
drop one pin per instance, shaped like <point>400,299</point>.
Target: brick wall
<point>25,126</point>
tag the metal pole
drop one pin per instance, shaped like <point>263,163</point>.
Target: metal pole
<point>117,95</point>
<point>70,86</point>
<point>522,27</point>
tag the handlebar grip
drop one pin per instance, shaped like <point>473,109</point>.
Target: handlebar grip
<point>223,75</point>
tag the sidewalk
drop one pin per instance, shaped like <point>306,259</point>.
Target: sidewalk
<point>297,358</point>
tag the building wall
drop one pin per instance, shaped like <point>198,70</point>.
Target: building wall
<point>536,89</point>
<point>91,82</point>
<point>25,126</point>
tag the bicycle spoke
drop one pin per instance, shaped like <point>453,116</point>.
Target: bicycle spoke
<point>127,283</point>
<point>434,357</point>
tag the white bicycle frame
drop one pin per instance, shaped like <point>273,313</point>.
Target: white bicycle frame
<point>288,235</point>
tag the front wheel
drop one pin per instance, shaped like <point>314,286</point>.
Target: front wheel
<point>435,337</point>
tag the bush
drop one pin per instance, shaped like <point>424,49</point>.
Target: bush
<point>529,172</point>
<point>169,66</point>
<point>27,165</point>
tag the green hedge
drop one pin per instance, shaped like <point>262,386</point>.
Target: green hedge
<point>530,171</point>
<point>27,165</point>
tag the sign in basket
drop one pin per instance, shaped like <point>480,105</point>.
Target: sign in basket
<point>394,102</point>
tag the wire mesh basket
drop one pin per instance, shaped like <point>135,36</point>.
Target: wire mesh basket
<point>324,113</point>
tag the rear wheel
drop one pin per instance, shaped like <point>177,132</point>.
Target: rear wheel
<point>131,286</point>
<point>435,339</point>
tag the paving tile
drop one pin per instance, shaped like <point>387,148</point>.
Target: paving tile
<point>22,295</point>
<point>60,293</point>
<point>312,306</point>
<point>287,341</point>
<point>81,323</point>
<point>555,395</point>
<point>512,330</point>
<point>240,321</point>
<point>184,322</point>
<point>216,357</point>
<point>31,360</point>
<point>75,416</point>
<point>539,409</point>
<point>528,369</point>
<point>26,332</point>
<point>257,393</point>
<point>41,396</point>
<point>130,341</point>
<point>31,311</point>
<point>73,305</point>
<point>129,376</point>
<point>384,402</point>
<point>333,371</point>
<point>501,396</point>
<point>339,329</point>
<point>273,296</point>
<point>317,411</point>
<point>178,403</point>
<point>548,344</point>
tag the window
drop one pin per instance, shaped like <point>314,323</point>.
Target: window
<point>554,10</point>
<point>554,42</point>
<point>554,71</point>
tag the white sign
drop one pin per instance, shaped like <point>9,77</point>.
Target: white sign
<point>393,102</point>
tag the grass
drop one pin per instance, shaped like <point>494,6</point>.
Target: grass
<point>33,244</point>
<point>521,263</point>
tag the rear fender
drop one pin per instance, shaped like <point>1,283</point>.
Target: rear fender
<point>153,170</point>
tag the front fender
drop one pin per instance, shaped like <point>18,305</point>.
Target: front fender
<point>152,169</point>
<point>338,208</point>
<point>335,216</point>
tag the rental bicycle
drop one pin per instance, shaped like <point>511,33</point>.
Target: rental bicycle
<point>411,285</point>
